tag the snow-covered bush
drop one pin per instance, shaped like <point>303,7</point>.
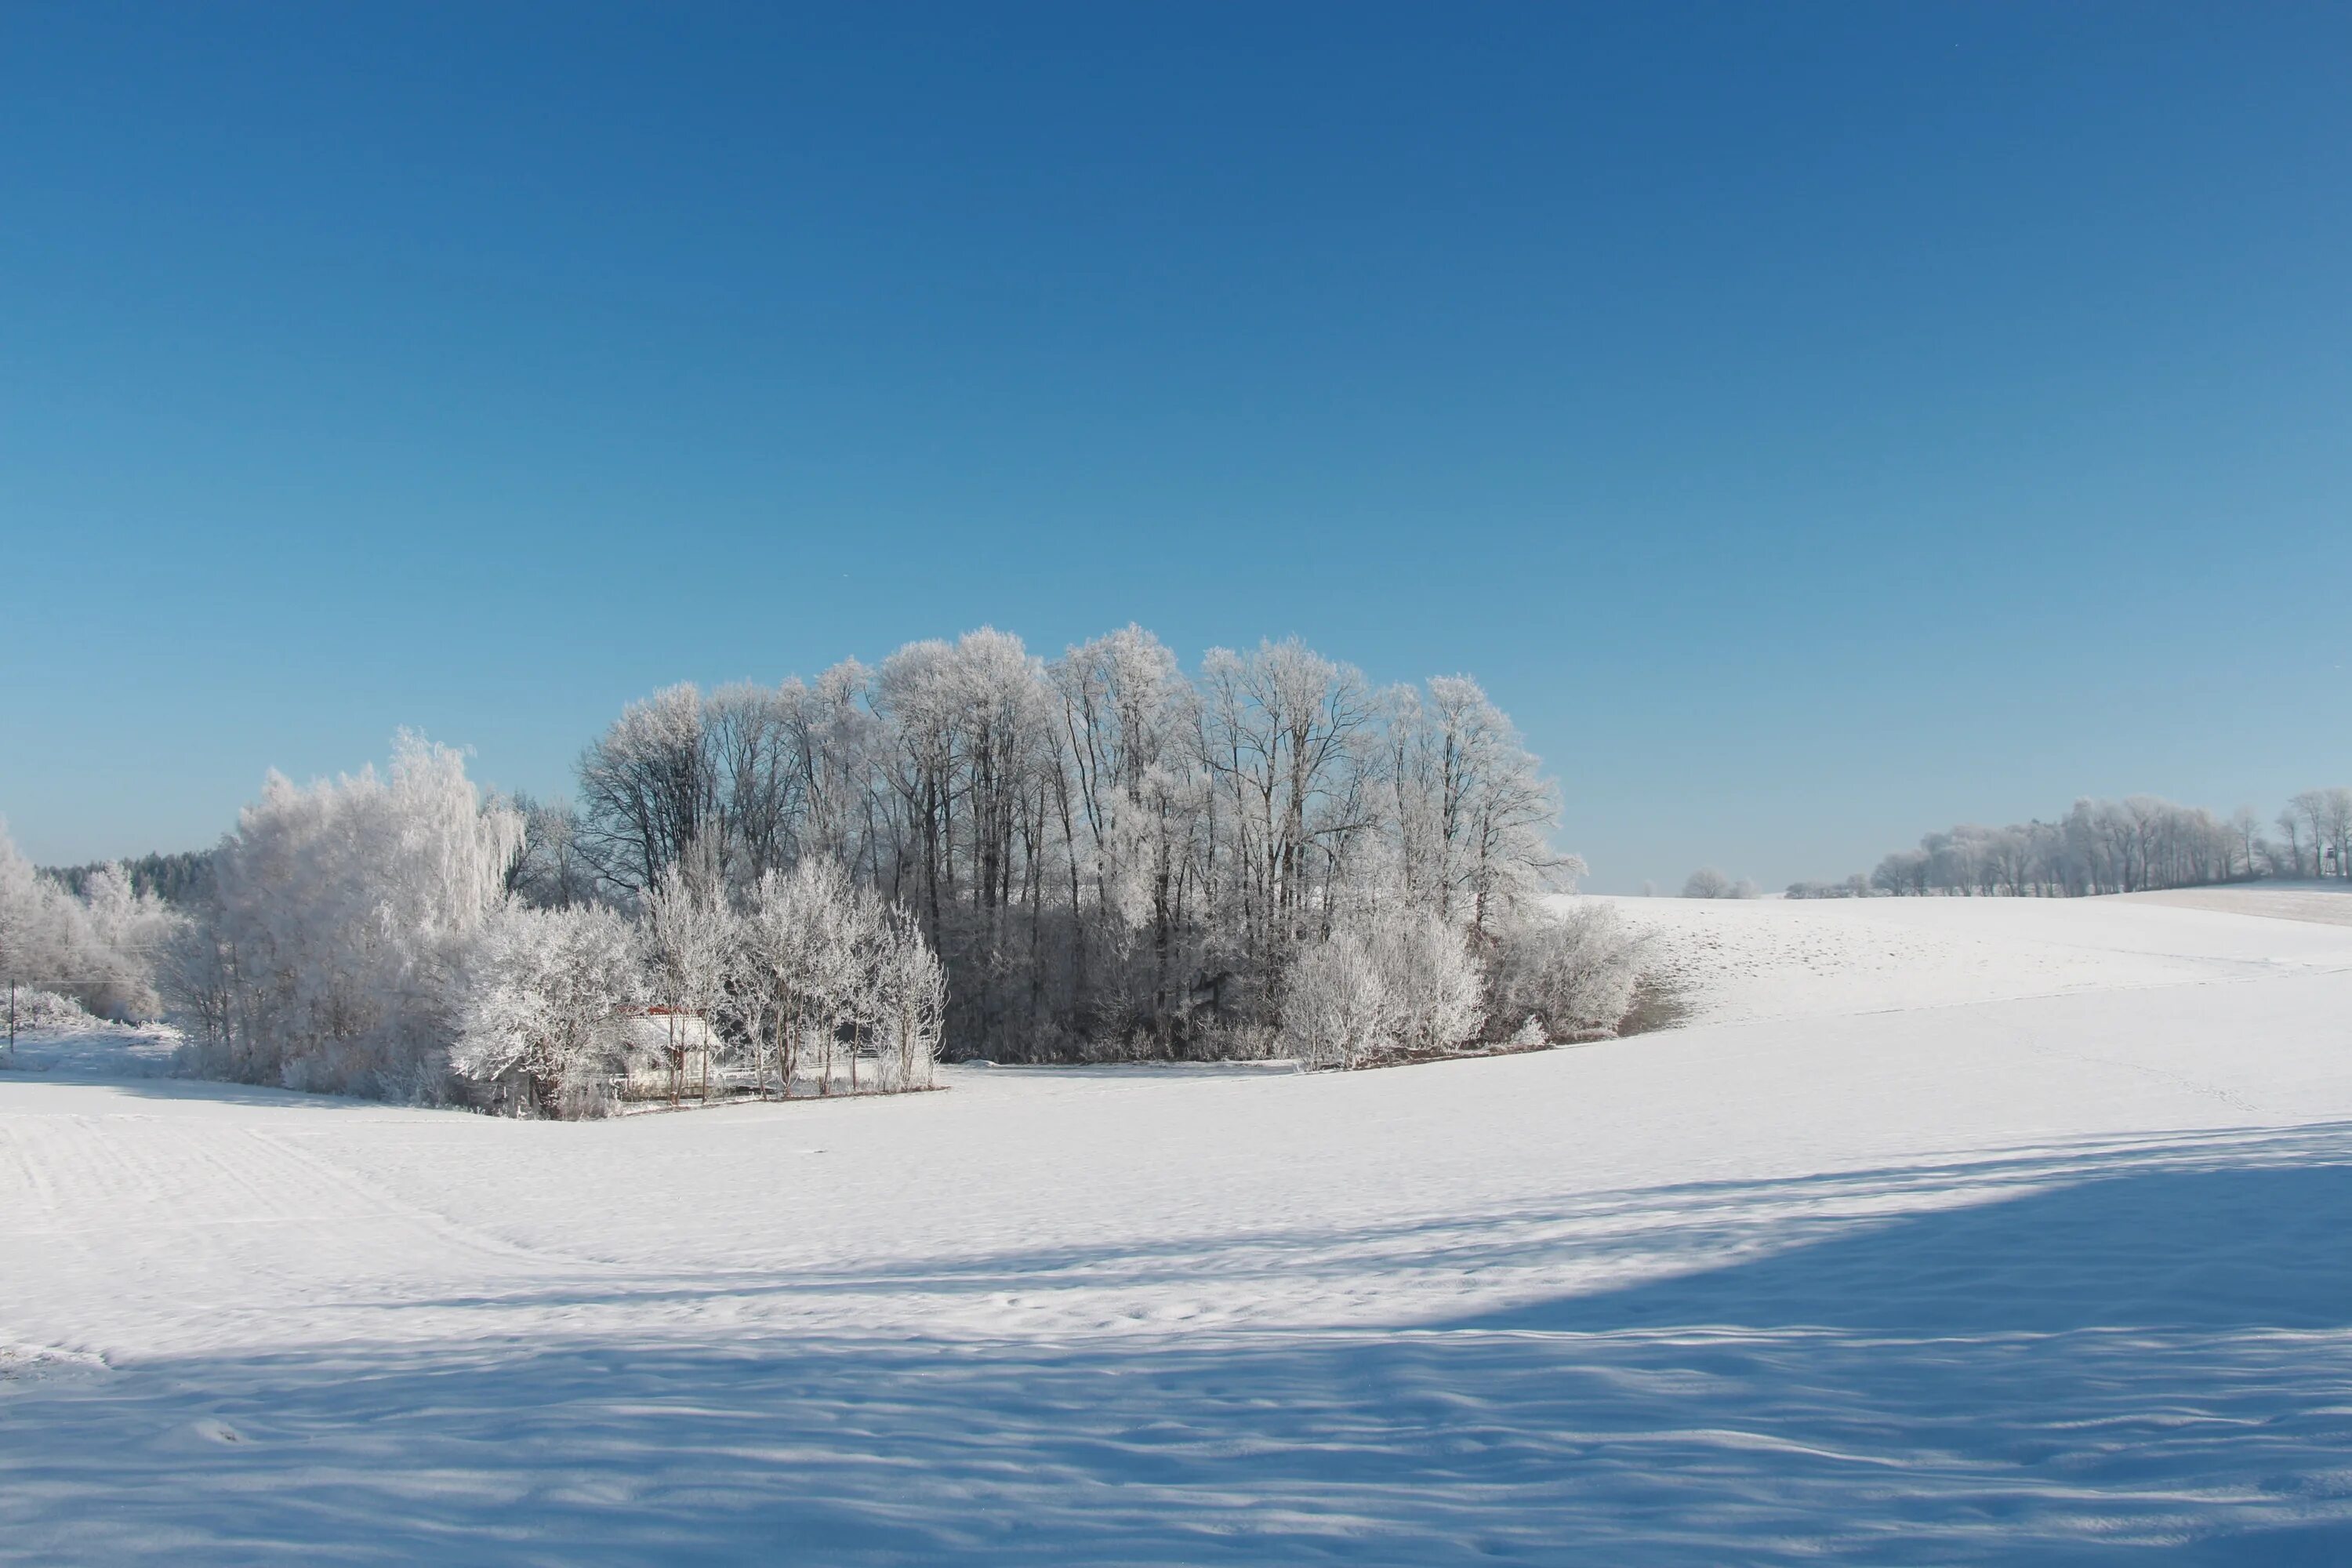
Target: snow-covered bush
<point>1573,973</point>
<point>549,992</point>
<point>37,1009</point>
<point>1435,991</point>
<point>1337,1009</point>
<point>1397,982</point>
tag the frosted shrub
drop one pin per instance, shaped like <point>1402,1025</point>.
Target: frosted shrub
<point>1433,987</point>
<point>1399,981</point>
<point>1336,1009</point>
<point>48,1010</point>
<point>1575,972</point>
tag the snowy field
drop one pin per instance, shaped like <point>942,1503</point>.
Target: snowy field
<point>1950,1231</point>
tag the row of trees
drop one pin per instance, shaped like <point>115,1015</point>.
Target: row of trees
<point>1111,858</point>
<point>2118,846</point>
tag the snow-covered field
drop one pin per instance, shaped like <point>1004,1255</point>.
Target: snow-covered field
<point>1951,1230</point>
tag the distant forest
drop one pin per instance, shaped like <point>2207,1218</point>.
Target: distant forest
<point>183,878</point>
<point>2117,847</point>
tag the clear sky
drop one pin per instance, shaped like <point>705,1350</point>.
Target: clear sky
<point>1815,424</point>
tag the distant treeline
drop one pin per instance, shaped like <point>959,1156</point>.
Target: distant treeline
<point>2116,846</point>
<point>186,877</point>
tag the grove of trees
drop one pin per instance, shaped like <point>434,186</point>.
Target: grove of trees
<point>822,886</point>
<point>1111,858</point>
<point>967,849</point>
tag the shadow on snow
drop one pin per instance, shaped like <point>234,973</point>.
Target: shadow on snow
<point>2142,1351</point>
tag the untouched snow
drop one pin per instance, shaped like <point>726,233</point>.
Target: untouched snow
<point>1955,1230</point>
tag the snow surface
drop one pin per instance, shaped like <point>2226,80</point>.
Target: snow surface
<point>1955,1230</point>
<point>91,1047</point>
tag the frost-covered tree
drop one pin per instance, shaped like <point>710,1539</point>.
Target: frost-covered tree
<point>549,994</point>
<point>2290,823</point>
<point>649,787</point>
<point>783,956</point>
<point>2326,814</point>
<point>689,940</point>
<point>1707,882</point>
<point>100,947</point>
<point>551,870</point>
<point>42,935</point>
<point>341,922</point>
<point>127,933</point>
<point>910,1004</point>
<point>1904,871</point>
<point>2246,828</point>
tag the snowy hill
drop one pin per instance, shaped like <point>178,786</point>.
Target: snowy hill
<point>1951,1230</point>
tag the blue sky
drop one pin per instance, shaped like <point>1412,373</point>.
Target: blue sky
<point>1815,424</point>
